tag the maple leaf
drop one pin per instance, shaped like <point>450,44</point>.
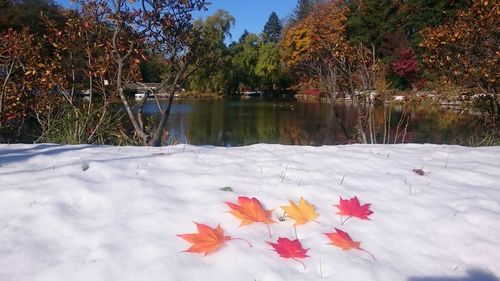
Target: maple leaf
<point>342,240</point>
<point>207,240</point>
<point>352,208</point>
<point>290,249</point>
<point>302,212</point>
<point>250,211</point>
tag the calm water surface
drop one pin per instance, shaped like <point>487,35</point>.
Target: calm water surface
<point>236,122</point>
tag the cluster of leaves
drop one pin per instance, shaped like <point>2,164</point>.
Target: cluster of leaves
<point>406,66</point>
<point>465,49</point>
<point>318,48</point>
<point>443,34</point>
<point>97,48</point>
<point>17,15</point>
<point>250,210</point>
<point>26,78</point>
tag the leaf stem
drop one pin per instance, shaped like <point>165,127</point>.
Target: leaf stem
<point>249,244</point>
<point>268,230</point>
<point>373,257</point>
<point>342,223</point>
<point>300,263</point>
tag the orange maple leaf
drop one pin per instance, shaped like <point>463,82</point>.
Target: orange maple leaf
<point>352,208</point>
<point>342,240</point>
<point>207,240</point>
<point>250,211</point>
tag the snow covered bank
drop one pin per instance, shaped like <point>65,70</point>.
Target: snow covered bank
<point>112,213</point>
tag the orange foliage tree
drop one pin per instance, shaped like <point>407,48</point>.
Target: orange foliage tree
<point>80,52</point>
<point>466,49</point>
<point>26,77</point>
<point>318,47</point>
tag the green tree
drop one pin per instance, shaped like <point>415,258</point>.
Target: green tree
<point>419,14</point>
<point>272,29</point>
<point>243,36</point>
<point>26,13</point>
<point>208,74</point>
<point>244,60</point>
<point>268,67</point>
<point>153,69</point>
<point>370,21</point>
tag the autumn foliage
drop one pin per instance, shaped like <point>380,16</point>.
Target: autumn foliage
<point>207,240</point>
<point>289,249</point>
<point>406,65</point>
<point>344,241</point>
<point>320,35</point>
<point>27,75</point>
<point>250,210</point>
<point>352,208</point>
<point>302,212</point>
<point>466,49</point>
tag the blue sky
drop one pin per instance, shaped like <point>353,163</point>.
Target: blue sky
<point>249,14</point>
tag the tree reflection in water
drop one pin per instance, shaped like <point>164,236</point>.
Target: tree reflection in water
<point>228,122</point>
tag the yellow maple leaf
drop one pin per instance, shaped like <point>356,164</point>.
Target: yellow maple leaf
<point>302,212</point>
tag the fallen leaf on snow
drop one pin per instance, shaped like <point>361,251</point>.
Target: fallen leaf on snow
<point>207,240</point>
<point>250,211</point>
<point>342,240</point>
<point>290,249</point>
<point>352,208</point>
<point>302,212</point>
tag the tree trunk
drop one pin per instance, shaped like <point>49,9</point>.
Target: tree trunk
<point>166,112</point>
<point>138,130</point>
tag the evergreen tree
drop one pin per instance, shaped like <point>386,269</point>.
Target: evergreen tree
<point>418,14</point>
<point>393,24</point>
<point>303,8</point>
<point>243,36</point>
<point>272,29</point>
<point>370,21</point>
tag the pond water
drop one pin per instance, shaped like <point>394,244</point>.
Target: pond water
<point>236,122</point>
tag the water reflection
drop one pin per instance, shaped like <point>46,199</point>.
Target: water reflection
<point>228,122</point>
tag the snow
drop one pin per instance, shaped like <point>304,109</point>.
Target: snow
<point>112,213</point>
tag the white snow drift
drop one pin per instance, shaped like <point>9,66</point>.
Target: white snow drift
<point>112,213</point>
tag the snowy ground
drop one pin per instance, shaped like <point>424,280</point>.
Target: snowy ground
<point>112,213</point>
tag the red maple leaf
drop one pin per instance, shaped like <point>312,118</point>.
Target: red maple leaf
<point>342,240</point>
<point>290,249</point>
<point>352,208</point>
